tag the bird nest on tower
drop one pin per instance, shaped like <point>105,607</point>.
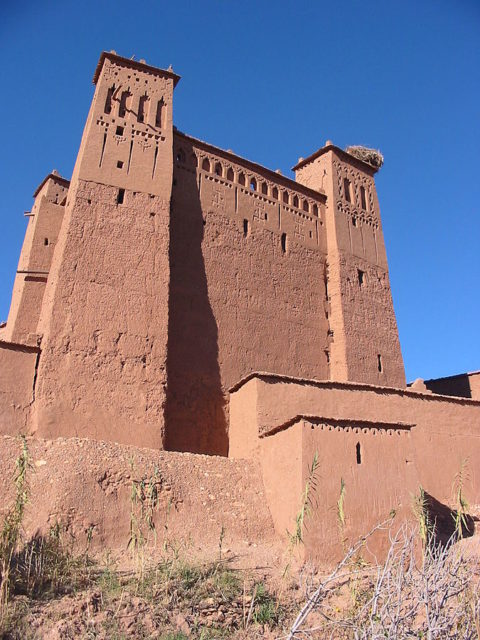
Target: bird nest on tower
<point>373,157</point>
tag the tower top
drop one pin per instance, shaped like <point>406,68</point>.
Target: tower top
<point>133,64</point>
<point>329,146</point>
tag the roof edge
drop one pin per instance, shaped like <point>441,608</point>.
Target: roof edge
<point>133,64</point>
<point>54,176</point>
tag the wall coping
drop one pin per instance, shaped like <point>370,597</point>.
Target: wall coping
<point>340,422</point>
<point>351,386</point>
<point>16,346</point>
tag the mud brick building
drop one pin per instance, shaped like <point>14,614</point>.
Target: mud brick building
<point>176,296</point>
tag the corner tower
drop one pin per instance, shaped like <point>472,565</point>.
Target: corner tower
<point>104,318</point>
<point>364,336</point>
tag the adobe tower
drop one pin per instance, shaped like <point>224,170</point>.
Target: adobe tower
<point>102,372</point>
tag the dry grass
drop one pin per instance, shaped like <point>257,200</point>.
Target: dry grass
<point>372,157</point>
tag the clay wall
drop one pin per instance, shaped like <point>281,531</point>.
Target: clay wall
<point>364,337</point>
<point>105,312</point>
<point>44,222</point>
<point>18,367</point>
<point>405,439</point>
<point>247,292</point>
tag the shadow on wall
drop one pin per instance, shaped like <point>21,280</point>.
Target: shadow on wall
<point>195,404</point>
<point>444,520</point>
<point>452,386</point>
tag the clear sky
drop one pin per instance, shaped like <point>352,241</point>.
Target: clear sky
<point>273,80</point>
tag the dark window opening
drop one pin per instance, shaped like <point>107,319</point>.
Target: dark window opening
<point>108,101</point>
<point>295,201</point>
<point>305,205</point>
<point>283,242</point>
<point>159,114</point>
<point>119,164</point>
<point>245,228</point>
<point>379,363</point>
<point>241,179</point>
<point>354,221</point>
<point>45,242</point>
<point>253,184</point>
<point>327,356</point>
<point>120,196</point>
<point>346,188</point>
<point>266,215</point>
<point>230,174</point>
<point>315,210</point>
<point>119,131</point>
<point>275,193</point>
<point>142,103</point>
<point>206,164</point>
<point>358,450</point>
<point>285,197</point>
<point>363,198</point>
<point>361,277</point>
<point>264,188</point>
<point>122,109</point>
<point>218,169</point>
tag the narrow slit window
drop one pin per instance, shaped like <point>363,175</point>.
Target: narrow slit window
<point>120,196</point>
<point>108,101</point>
<point>218,169</point>
<point>275,193</point>
<point>358,452</point>
<point>363,198</point>
<point>361,277</point>
<point>283,242</point>
<point>346,188</point>
<point>253,184</point>
<point>230,174</point>
<point>295,201</point>
<point>122,109</point>
<point>119,131</point>
<point>264,188</point>
<point>285,197</point>
<point>142,104</point>
<point>206,164</point>
<point>45,242</point>
<point>159,114</point>
<point>241,179</point>
<point>379,363</point>
<point>245,228</point>
<point>354,221</point>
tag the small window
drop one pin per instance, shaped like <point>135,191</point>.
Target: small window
<point>218,169</point>
<point>119,131</point>
<point>253,184</point>
<point>206,164</point>
<point>230,174</point>
<point>275,193</point>
<point>315,210</point>
<point>346,188</point>
<point>305,206</point>
<point>122,109</point>
<point>120,196</point>
<point>241,179</point>
<point>264,188</point>
<point>283,242</point>
<point>363,198</point>
<point>327,356</point>
<point>379,363</point>
<point>159,114</point>
<point>245,228</point>
<point>358,452</point>
<point>295,201</point>
<point>285,197</point>
<point>119,164</point>
<point>142,108</point>
<point>354,221</point>
<point>108,101</point>
<point>361,277</point>
<point>45,242</point>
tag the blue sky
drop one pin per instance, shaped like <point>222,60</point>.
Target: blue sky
<point>273,81</point>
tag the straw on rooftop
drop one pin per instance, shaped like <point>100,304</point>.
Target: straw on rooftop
<point>372,157</point>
